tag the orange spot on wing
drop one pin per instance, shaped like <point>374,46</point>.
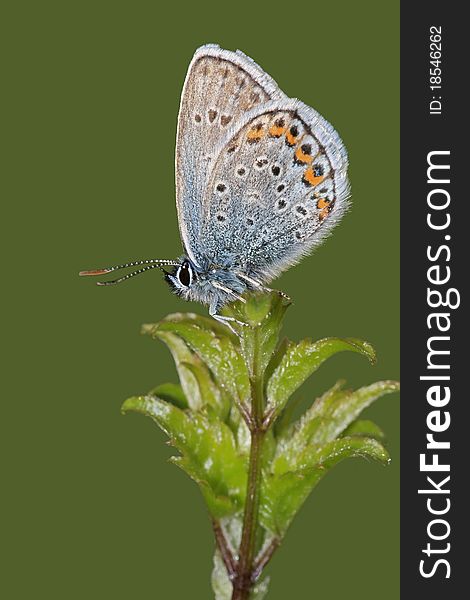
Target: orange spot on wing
<point>302,157</point>
<point>291,140</point>
<point>322,203</point>
<point>276,131</point>
<point>255,134</point>
<point>310,177</point>
<point>323,214</point>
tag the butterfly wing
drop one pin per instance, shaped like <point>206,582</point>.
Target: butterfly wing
<point>277,187</point>
<point>220,88</point>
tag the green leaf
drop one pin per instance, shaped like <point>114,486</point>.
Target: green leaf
<point>283,425</point>
<point>339,410</point>
<point>218,505</point>
<point>345,447</point>
<point>182,357</point>
<point>264,314</point>
<point>171,392</point>
<point>276,358</point>
<point>216,350</point>
<point>365,428</point>
<point>327,418</point>
<point>282,495</point>
<point>301,360</point>
<point>209,453</point>
<point>207,323</point>
<point>210,393</point>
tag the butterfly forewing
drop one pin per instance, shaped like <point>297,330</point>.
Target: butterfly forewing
<point>220,88</point>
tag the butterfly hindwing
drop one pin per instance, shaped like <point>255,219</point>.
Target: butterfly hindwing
<point>220,88</point>
<point>276,189</point>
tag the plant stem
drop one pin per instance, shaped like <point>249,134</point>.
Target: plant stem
<point>243,580</point>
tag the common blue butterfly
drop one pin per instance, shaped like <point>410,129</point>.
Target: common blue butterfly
<point>261,180</point>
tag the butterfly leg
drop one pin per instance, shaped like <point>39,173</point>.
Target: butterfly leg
<point>225,319</point>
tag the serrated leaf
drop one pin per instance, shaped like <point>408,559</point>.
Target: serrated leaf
<point>218,352</point>
<point>282,495</point>
<point>208,447</point>
<point>327,418</point>
<point>301,360</point>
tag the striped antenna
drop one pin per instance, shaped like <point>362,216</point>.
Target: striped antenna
<point>148,264</point>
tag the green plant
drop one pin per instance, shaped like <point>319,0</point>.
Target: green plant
<point>231,421</point>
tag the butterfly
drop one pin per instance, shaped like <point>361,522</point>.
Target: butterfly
<point>261,180</point>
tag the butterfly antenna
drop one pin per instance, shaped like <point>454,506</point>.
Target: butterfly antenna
<point>147,265</point>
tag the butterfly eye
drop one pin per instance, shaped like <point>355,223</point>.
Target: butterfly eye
<point>185,275</point>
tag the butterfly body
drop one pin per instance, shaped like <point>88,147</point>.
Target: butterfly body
<point>261,180</point>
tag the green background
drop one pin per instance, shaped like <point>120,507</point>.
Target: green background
<point>91,507</point>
